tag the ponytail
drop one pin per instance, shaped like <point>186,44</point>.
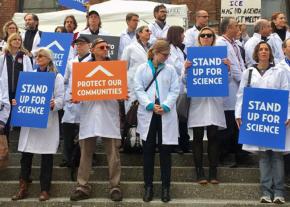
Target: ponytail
<point>150,54</point>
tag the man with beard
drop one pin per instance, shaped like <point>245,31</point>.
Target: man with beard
<point>159,28</point>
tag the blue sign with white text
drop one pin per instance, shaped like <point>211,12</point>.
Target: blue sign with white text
<point>208,75</point>
<point>264,113</point>
<point>59,44</point>
<point>33,95</point>
<point>74,4</point>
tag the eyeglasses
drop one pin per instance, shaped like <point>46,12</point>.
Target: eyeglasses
<point>206,35</point>
<point>146,30</point>
<point>204,16</point>
<point>107,47</point>
<point>39,56</point>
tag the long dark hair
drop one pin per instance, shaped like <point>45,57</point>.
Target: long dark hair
<point>174,35</point>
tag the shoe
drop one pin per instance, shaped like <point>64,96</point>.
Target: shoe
<point>213,175</point>
<point>116,195</point>
<point>78,195</point>
<point>165,195</point>
<point>200,176</point>
<point>43,196</point>
<point>22,193</point>
<point>279,200</point>
<point>148,194</point>
<point>265,199</point>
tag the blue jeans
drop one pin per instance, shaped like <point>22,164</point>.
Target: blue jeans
<point>271,165</point>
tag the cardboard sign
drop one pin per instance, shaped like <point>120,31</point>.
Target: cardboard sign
<point>113,42</point>
<point>74,4</point>
<point>208,75</point>
<point>59,44</point>
<point>100,80</point>
<point>33,95</point>
<point>244,11</point>
<point>264,113</point>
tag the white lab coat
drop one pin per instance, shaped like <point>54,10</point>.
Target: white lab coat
<point>136,55</point>
<point>36,41</point>
<point>237,66</point>
<point>125,40</point>
<point>168,89</point>
<point>190,38</point>
<point>27,66</point>
<point>273,78</point>
<point>44,141</point>
<point>4,97</point>
<point>99,119</point>
<point>176,59</point>
<point>71,110</point>
<point>157,32</point>
<point>87,31</point>
<point>3,44</point>
<point>273,40</point>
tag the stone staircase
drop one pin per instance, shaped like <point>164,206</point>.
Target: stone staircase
<point>238,187</point>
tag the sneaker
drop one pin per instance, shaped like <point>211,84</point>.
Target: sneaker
<point>78,195</point>
<point>279,200</point>
<point>265,199</point>
<point>116,195</point>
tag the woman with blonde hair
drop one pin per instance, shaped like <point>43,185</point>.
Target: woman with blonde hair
<point>14,60</point>
<point>157,88</point>
<point>43,141</point>
<point>9,28</point>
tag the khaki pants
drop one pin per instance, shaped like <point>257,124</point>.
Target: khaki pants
<point>88,147</point>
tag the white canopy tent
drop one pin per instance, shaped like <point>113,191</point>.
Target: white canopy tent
<point>112,14</point>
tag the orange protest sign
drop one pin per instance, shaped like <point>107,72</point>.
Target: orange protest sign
<point>100,80</point>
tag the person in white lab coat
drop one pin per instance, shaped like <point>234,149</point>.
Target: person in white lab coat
<point>262,32</point>
<point>201,20</point>
<point>71,116</point>
<point>271,163</point>
<point>177,57</point>
<point>41,141</point>
<point>14,60</point>
<point>31,36</point>
<point>285,64</point>
<point>229,137</point>
<point>129,35</point>
<point>94,26</point>
<point>206,112</point>
<point>99,119</point>
<point>4,100</point>
<point>159,28</point>
<point>157,115</point>
<point>9,28</point>
<point>136,54</point>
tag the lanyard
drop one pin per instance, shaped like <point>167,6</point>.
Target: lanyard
<point>160,67</point>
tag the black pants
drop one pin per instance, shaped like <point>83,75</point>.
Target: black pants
<point>228,137</point>
<point>45,169</point>
<point>184,137</point>
<point>212,146</point>
<point>149,154</point>
<point>70,131</point>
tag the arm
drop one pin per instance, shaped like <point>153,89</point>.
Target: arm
<point>58,93</point>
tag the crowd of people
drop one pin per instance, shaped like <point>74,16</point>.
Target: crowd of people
<point>157,73</point>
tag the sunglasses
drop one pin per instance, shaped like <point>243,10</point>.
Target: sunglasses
<point>146,30</point>
<point>206,35</point>
<point>104,47</point>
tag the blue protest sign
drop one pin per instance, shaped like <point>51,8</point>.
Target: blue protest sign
<point>208,75</point>
<point>33,95</point>
<point>264,112</point>
<point>74,4</point>
<point>59,44</point>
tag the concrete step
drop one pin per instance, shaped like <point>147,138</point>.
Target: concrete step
<point>180,190</point>
<point>102,202</point>
<point>179,174</point>
<point>137,159</point>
